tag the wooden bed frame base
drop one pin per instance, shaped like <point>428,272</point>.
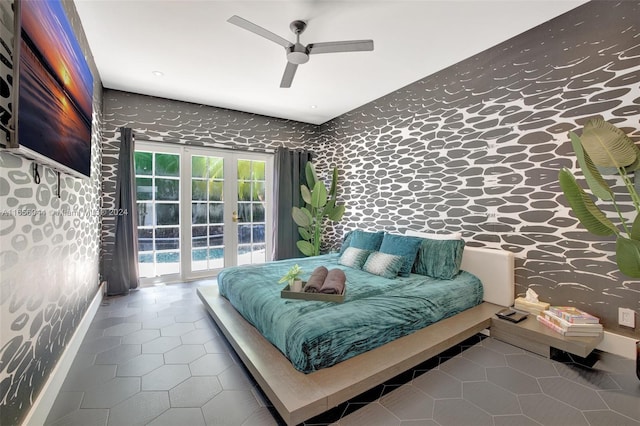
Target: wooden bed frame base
<point>298,396</point>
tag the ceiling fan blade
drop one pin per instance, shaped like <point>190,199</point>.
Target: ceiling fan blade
<point>287,77</point>
<point>341,46</point>
<point>250,26</point>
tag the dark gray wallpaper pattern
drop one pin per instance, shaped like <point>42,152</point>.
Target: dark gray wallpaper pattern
<point>474,148</point>
<point>477,148</point>
<point>169,121</point>
<point>48,259</point>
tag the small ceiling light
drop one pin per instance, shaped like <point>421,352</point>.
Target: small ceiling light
<point>314,106</point>
<point>157,73</point>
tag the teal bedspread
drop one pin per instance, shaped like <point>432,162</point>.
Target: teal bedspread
<point>376,310</point>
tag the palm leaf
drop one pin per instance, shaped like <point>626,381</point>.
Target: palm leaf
<point>593,177</point>
<point>310,175</point>
<point>306,194</point>
<point>337,213</point>
<point>305,247</point>
<point>334,183</point>
<point>304,233</point>
<point>319,195</point>
<point>583,206</point>
<point>301,217</point>
<point>607,145</point>
<point>628,256</point>
<point>635,229</point>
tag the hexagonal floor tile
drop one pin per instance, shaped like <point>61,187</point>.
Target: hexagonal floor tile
<point>139,409</point>
<point>118,354</point>
<point>195,391</point>
<point>513,380</point>
<point>165,377</point>
<point>408,403</point>
<point>229,408</point>
<point>184,354</point>
<point>439,384</point>
<point>491,398</point>
<point>111,393</point>
<point>456,412</point>
<point>463,369</point>
<point>141,336</point>
<point>578,396</point>
<point>140,365</point>
<point>549,411</point>
<point>179,416</point>
<point>210,365</point>
<point>161,345</point>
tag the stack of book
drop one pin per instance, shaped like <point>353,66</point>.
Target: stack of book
<point>570,321</point>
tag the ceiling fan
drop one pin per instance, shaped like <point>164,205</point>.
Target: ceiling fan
<point>297,53</point>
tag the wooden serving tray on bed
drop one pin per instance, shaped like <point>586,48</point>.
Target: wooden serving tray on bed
<point>286,293</point>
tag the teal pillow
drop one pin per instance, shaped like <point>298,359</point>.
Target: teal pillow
<point>439,258</point>
<point>383,264</point>
<point>366,240</point>
<point>346,240</point>
<point>404,246</point>
<point>354,257</point>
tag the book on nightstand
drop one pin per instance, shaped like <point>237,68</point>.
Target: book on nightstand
<point>557,323</point>
<point>574,315</point>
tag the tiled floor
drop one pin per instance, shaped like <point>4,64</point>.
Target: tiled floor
<point>155,357</point>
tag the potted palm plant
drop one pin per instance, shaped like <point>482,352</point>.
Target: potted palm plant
<point>602,145</point>
<point>320,205</point>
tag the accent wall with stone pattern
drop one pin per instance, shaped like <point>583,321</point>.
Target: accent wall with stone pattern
<point>477,148</point>
<point>48,261</point>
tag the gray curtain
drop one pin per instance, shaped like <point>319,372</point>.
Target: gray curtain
<point>122,274</point>
<point>289,174</point>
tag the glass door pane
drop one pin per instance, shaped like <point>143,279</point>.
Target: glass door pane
<point>158,208</point>
<point>207,213</point>
<point>251,201</point>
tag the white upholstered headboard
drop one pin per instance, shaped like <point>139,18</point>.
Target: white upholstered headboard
<point>496,270</point>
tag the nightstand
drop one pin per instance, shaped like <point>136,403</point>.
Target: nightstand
<point>535,337</point>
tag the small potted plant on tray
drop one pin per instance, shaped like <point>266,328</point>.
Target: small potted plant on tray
<point>293,278</point>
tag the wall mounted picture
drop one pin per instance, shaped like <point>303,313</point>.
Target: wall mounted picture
<point>55,90</point>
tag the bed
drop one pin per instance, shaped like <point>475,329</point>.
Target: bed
<point>309,383</point>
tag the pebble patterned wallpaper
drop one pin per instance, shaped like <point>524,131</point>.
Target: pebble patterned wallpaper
<point>164,120</point>
<point>474,148</point>
<point>477,148</point>
<point>48,257</point>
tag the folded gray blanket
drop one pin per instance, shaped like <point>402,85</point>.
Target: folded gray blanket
<point>334,283</point>
<point>316,279</point>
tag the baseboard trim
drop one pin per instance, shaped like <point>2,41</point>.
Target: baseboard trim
<point>43,403</point>
<point>618,344</point>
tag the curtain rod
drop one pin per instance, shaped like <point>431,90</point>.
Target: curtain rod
<point>198,144</point>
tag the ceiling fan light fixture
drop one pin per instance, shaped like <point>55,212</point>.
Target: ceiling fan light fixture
<point>297,54</point>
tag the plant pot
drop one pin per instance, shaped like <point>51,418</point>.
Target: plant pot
<point>295,285</point>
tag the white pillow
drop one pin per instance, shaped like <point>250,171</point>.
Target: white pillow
<point>450,236</point>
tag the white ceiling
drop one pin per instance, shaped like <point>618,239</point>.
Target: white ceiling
<point>208,61</point>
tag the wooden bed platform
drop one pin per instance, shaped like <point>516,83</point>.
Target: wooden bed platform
<point>298,396</point>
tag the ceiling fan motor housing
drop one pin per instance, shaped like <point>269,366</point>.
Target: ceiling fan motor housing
<point>297,54</point>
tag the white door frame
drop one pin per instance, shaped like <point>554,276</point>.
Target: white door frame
<point>230,205</point>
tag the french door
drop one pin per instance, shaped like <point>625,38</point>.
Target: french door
<point>200,210</point>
